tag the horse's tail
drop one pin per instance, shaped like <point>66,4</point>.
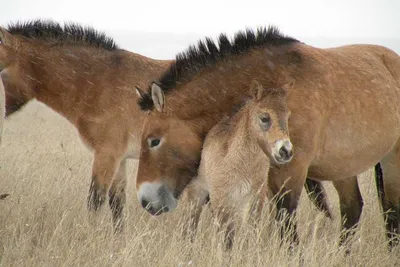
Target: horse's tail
<point>316,193</point>
<point>379,183</point>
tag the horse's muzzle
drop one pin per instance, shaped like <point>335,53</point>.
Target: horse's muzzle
<point>156,198</point>
<point>283,152</point>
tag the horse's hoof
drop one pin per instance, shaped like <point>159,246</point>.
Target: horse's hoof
<point>3,196</point>
<point>96,198</point>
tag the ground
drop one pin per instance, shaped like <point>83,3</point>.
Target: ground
<point>44,222</point>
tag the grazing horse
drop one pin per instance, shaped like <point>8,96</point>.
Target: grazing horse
<point>81,74</point>
<point>345,117</point>
<point>236,158</point>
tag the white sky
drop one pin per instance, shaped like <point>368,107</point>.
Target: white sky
<point>145,26</point>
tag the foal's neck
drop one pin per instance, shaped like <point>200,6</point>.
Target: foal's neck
<point>240,135</point>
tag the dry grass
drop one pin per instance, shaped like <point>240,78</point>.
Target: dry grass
<point>44,221</point>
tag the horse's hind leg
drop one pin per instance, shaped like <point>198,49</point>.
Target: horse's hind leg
<point>351,204</point>
<point>390,195</point>
<point>117,197</point>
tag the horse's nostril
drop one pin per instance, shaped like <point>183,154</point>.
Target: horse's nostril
<point>145,203</point>
<point>285,153</point>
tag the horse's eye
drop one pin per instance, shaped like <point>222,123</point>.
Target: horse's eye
<point>265,121</point>
<point>153,142</point>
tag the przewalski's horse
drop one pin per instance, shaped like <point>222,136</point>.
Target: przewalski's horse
<point>81,74</point>
<point>345,117</point>
<point>236,157</point>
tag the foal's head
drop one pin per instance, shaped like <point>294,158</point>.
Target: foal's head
<point>269,116</point>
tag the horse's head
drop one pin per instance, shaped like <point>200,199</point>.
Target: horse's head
<point>15,69</point>
<point>169,158</point>
<point>269,116</point>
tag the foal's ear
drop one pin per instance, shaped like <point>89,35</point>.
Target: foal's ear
<point>256,90</point>
<point>5,36</point>
<point>139,92</point>
<point>157,95</point>
<point>289,85</point>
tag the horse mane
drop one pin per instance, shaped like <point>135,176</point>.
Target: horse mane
<point>207,53</point>
<point>69,33</point>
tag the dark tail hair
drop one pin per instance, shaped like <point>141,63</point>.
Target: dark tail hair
<point>379,183</point>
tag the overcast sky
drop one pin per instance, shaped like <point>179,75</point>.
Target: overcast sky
<point>162,28</point>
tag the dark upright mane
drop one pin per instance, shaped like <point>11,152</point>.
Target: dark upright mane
<point>70,33</point>
<point>207,53</point>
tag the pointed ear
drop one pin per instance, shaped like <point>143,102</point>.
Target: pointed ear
<point>289,85</point>
<point>139,92</point>
<point>157,95</point>
<point>5,36</point>
<point>256,90</point>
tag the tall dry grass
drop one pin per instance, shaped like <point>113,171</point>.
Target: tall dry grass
<point>44,221</point>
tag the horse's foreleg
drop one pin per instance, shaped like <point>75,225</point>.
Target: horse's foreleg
<point>104,168</point>
<point>197,195</point>
<point>117,196</point>
<point>351,204</point>
<point>286,184</point>
<point>317,194</point>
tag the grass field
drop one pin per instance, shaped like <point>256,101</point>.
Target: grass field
<point>44,222</point>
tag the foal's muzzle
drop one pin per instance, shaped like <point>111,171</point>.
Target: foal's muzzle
<point>156,198</point>
<point>283,151</point>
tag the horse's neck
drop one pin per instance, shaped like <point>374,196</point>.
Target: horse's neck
<point>244,150</point>
<point>69,80</point>
<point>220,87</point>
<point>240,139</point>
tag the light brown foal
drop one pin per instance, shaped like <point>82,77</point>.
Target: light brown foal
<point>236,157</point>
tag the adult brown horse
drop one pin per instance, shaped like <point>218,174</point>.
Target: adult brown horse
<point>345,116</point>
<point>81,74</point>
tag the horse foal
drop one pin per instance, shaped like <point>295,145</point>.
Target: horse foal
<point>236,157</point>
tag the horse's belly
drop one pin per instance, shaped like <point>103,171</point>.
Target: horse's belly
<point>351,152</point>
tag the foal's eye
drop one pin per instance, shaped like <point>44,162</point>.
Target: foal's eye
<point>265,121</point>
<point>153,142</point>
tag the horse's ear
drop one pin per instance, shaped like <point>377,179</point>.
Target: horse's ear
<point>157,95</point>
<point>139,92</point>
<point>289,85</point>
<point>5,36</point>
<point>256,90</point>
